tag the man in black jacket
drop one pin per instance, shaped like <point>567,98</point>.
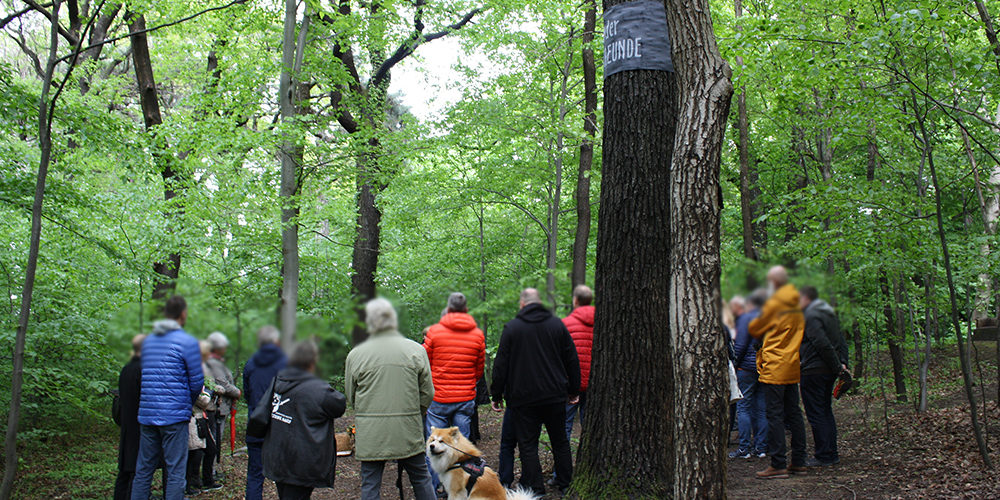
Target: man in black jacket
<point>129,382</point>
<point>823,356</point>
<point>536,370</point>
<point>300,450</point>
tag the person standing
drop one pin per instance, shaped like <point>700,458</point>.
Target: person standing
<point>580,324</point>
<point>823,358</point>
<point>300,449</point>
<point>171,380</point>
<point>263,366</point>
<point>456,350</point>
<point>129,385</point>
<point>202,443</point>
<point>387,379</point>
<point>780,327</point>
<point>751,412</point>
<point>226,392</point>
<point>537,371</point>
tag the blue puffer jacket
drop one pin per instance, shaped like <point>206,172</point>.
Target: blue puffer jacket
<point>171,375</point>
<point>257,376</point>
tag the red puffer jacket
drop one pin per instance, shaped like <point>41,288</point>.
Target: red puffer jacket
<point>580,324</point>
<point>457,351</point>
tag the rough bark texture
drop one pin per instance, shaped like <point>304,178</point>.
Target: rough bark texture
<point>149,100</point>
<point>631,324</point>
<point>699,359</point>
<point>17,372</point>
<point>366,243</point>
<point>580,242</point>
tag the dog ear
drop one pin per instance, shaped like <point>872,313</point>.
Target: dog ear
<point>433,428</point>
<point>454,432</point>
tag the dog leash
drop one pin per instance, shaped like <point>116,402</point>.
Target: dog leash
<point>474,466</point>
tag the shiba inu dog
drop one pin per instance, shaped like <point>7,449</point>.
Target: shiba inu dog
<point>463,473</point>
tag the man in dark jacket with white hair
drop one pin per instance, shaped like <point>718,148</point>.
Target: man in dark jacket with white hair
<point>823,357</point>
<point>263,366</point>
<point>300,450</point>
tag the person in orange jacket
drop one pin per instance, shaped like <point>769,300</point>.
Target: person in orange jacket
<point>780,326</point>
<point>456,348</point>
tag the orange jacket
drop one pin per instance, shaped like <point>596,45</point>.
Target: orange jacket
<point>781,326</point>
<point>456,349</point>
<point>580,324</point>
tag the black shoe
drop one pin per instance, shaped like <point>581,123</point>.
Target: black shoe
<point>551,482</point>
<point>211,487</point>
<point>191,491</point>
<point>812,462</point>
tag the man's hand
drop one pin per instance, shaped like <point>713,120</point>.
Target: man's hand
<point>574,400</point>
<point>497,406</point>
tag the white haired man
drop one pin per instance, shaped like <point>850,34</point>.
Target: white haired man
<point>388,381</point>
<point>225,389</point>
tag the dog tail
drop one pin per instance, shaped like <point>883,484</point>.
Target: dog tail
<point>520,493</point>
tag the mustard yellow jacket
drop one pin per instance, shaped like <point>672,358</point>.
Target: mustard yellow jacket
<point>780,326</point>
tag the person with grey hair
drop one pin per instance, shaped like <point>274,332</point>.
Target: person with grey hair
<point>257,375</point>
<point>388,381</point>
<point>300,449</point>
<point>537,372</point>
<point>225,388</point>
<point>456,349</point>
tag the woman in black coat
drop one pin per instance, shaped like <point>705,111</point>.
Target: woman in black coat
<point>129,384</point>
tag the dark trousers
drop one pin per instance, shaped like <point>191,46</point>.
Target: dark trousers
<point>528,424</point>
<point>817,398</point>
<point>293,491</point>
<point>255,472</point>
<point>783,411</point>
<point>123,484</point>
<point>508,443</point>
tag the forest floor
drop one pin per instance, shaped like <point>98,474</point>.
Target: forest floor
<point>887,451</point>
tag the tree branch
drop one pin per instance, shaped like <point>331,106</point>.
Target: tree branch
<point>71,38</point>
<point>5,21</point>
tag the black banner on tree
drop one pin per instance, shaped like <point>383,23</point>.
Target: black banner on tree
<point>636,37</point>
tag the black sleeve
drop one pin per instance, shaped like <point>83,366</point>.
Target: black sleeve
<point>501,366</point>
<point>570,360</point>
<point>816,333</point>
<point>334,403</point>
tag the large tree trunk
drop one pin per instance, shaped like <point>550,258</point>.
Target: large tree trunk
<point>631,324</point>
<point>699,359</point>
<point>366,242</point>
<point>580,242</point>
<point>17,372</point>
<point>149,99</point>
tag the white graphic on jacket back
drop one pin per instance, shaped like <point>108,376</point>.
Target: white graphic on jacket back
<point>276,405</point>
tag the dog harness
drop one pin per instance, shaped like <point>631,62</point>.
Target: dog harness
<point>474,467</point>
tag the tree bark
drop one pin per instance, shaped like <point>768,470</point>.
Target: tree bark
<point>991,33</point>
<point>17,372</point>
<point>894,332</point>
<point>700,401</point>
<point>555,205</point>
<point>631,324</point>
<point>149,100</point>
<point>581,241</point>
<point>367,240</point>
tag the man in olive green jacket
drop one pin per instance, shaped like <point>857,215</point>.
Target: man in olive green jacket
<point>388,381</point>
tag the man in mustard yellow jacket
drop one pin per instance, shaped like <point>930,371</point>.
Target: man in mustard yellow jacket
<point>780,326</point>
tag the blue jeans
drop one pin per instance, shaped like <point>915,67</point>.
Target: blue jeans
<point>571,411</point>
<point>443,415</point>
<point>255,472</point>
<point>508,442</point>
<point>751,413</point>
<point>168,443</point>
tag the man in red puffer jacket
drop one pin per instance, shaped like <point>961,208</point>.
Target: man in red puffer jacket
<point>580,324</point>
<point>456,349</point>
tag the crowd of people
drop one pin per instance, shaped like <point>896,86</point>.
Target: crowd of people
<point>786,345</point>
<point>176,392</point>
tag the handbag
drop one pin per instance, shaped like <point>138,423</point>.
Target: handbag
<point>202,425</point>
<point>260,420</point>
<point>735,394</point>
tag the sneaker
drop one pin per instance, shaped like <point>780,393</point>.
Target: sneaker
<point>191,491</point>
<point>739,454</point>
<point>211,487</point>
<point>761,454</point>
<point>812,462</point>
<point>772,473</point>
<point>798,470</point>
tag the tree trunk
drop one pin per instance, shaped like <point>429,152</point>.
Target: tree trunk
<point>631,324</point>
<point>17,372</point>
<point>367,240</point>
<point>291,165</point>
<point>991,33</point>
<point>580,242</point>
<point>555,206</point>
<point>894,333</point>
<point>699,359</point>
<point>149,99</point>
<point>859,350</point>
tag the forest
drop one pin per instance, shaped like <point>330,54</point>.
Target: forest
<point>283,162</point>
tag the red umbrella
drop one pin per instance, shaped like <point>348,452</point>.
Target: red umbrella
<point>232,431</point>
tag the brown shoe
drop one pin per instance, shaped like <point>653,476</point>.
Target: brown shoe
<point>798,470</point>
<point>772,473</point>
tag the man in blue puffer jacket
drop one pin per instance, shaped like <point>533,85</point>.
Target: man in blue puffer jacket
<point>171,380</point>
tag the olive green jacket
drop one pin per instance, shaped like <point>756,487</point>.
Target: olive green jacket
<point>388,382</point>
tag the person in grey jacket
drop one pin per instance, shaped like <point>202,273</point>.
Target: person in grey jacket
<point>823,357</point>
<point>225,386</point>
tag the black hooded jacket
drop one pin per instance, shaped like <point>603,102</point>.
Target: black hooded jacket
<point>300,447</point>
<point>536,362</point>
<point>823,347</point>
